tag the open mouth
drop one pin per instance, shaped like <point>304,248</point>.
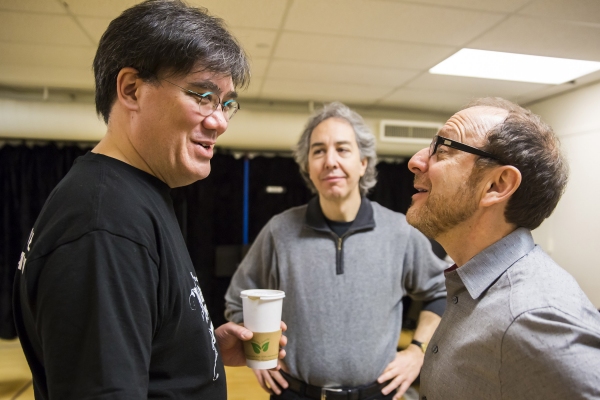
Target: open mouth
<point>204,145</point>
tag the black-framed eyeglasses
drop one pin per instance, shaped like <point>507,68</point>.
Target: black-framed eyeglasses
<point>209,101</point>
<point>440,140</point>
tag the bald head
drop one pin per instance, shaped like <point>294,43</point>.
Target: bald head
<point>521,139</point>
<point>472,124</point>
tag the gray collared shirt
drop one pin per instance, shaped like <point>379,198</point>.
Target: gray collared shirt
<point>516,326</point>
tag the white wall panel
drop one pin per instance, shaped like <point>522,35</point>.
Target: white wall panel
<point>254,127</point>
<point>50,121</point>
<point>572,233</point>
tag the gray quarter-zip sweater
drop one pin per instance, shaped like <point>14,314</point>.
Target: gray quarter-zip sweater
<point>343,298</point>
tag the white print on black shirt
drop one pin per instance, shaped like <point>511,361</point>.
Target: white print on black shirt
<point>23,259</point>
<point>197,293</point>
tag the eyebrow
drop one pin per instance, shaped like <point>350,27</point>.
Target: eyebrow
<point>210,85</point>
<point>323,144</point>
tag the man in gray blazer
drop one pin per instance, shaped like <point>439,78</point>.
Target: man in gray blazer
<point>516,325</point>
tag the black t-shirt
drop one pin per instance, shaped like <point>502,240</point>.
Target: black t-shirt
<point>339,227</point>
<point>107,303</point>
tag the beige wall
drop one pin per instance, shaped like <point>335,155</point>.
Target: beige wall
<point>49,120</point>
<point>255,127</point>
<point>572,234</point>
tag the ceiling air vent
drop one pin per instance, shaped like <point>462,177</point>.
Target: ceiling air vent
<point>407,131</point>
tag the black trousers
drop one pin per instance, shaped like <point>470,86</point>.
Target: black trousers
<point>287,394</point>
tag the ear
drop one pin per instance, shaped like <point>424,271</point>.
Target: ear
<point>128,83</point>
<point>363,166</point>
<point>501,183</point>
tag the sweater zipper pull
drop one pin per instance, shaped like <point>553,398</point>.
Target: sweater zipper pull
<point>339,243</point>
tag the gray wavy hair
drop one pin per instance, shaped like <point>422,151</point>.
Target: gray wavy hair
<point>364,139</point>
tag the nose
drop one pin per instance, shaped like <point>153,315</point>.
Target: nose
<point>216,121</point>
<point>331,161</point>
<point>419,163</point>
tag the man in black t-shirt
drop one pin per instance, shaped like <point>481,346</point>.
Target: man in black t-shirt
<point>107,303</point>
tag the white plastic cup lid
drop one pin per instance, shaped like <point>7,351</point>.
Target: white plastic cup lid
<point>262,294</point>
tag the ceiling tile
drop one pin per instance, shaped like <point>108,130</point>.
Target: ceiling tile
<point>252,92</point>
<point>339,73</point>
<point>359,51</point>
<point>52,7</point>
<point>99,8</point>
<point>316,91</point>
<point>389,20</point>
<point>264,14</point>
<point>505,6</point>
<point>40,29</point>
<point>433,100</point>
<point>587,11</point>
<point>528,35</point>
<point>553,90</point>
<point>258,67</point>
<point>39,76</point>
<point>46,55</point>
<point>474,86</point>
<point>366,52</point>
<point>95,27</point>
<point>257,42</point>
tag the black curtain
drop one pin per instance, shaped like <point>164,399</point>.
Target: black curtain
<point>287,189</point>
<point>394,186</point>
<point>210,212</point>
<point>27,176</point>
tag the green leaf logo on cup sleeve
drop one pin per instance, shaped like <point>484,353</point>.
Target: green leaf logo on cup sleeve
<point>258,348</point>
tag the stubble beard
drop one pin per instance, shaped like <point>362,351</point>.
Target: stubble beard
<point>439,213</point>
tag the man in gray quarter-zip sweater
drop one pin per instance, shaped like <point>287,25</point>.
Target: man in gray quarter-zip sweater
<point>517,326</point>
<point>345,264</point>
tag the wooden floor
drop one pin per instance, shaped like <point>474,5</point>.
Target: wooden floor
<point>15,377</point>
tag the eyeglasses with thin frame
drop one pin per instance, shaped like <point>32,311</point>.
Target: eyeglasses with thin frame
<point>440,140</point>
<point>209,101</point>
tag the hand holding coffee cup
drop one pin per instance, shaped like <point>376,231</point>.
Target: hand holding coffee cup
<point>262,316</point>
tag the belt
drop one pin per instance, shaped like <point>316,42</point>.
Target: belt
<point>319,393</point>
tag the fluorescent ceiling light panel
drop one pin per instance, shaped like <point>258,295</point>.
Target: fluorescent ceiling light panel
<point>514,67</point>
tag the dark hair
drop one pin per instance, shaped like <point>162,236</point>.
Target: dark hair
<point>165,35</point>
<point>364,139</point>
<point>524,141</point>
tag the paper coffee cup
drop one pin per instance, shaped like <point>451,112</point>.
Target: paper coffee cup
<point>262,315</point>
